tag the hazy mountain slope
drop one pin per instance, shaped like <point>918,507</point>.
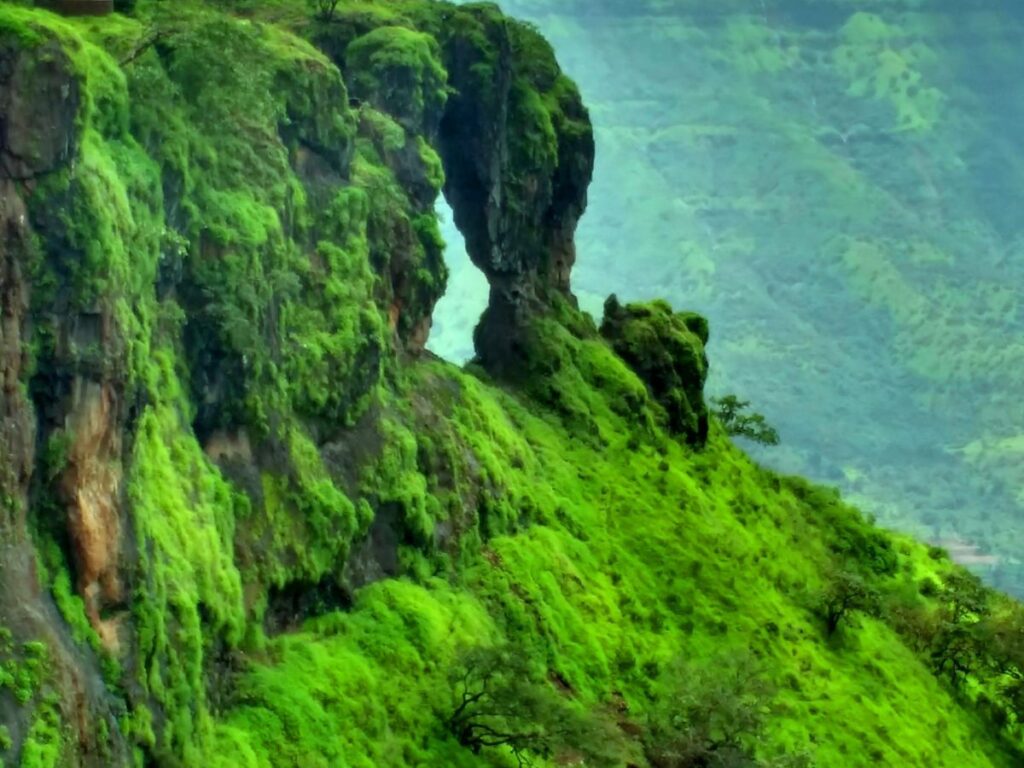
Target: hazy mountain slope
<point>838,186</point>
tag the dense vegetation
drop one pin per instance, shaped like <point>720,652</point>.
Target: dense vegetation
<point>836,184</point>
<point>247,521</point>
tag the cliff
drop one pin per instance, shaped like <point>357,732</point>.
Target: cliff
<point>247,521</point>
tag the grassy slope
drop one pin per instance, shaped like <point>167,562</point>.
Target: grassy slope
<point>832,183</point>
<point>594,540</point>
<point>630,560</point>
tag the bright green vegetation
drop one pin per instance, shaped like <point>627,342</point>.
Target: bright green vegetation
<point>24,677</point>
<point>616,572</point>
<point>666,349</point>
<point>328,539</point>
<point>835,184</point>
<point>737,421</point>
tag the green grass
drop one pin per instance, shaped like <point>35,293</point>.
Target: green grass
<point>622,562</point>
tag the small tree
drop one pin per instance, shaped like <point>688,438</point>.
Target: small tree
<point>713,716</point>
<point>847,592</point>
<point>960,638</point>
<point>730,411</point>
<point>500,702</point>
<point>324,9</point>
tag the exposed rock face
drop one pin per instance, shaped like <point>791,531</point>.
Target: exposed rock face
<point>666,349</point>
<point>17,430</point>
<point>398,87</point>
<point>90,487</point>
<point>39,101</point>
<point>519,153</point>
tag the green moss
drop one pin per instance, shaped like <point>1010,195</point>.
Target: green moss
<point>335,336</point>
<point>611,585</point>
<point>399,632</point>
<point>667,351</point>
<point>399,71</point>
<point>26,672</point>
<point>46,743</point>
<point>184,520</point>
<point>306,525</point>
<point>396,480</point>
<point>432,163</point>
<point>55,571</point>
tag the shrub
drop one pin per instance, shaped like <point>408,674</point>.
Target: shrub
<point>730,412</point>
<point>500,702</point>
<point>324,9</point>
<point>846,593</point>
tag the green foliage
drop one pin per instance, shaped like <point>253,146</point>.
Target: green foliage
<point>500,703</point>
<point>184,519</point>
<point>26,674</point>
<point>324,9</point>
<point>398,70</point>
<point>22,667</point>
<point>666,350</point>
<point>306,523</point>
<point>729,410</point>
<point>846,593</point>
<point>956,644</point>
<point>610,585</point>
<point>45,743</point>
<point>713,715</point>
<point>55,570</point>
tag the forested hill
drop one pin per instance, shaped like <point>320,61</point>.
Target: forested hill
<point>838,185</point>
<point>248,521</point>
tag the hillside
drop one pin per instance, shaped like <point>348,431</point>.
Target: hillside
<point>247,520</point>
<point>837,186</point>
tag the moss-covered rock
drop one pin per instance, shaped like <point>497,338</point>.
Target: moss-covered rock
<point>398,70</point>
<point>39,98</point>
<point>244,523</point>
<point>666,349</point>
<point>519,153</point>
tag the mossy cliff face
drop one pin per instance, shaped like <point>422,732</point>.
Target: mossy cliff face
<point>219,246</point>
<point>50,688</point>
<point>244,522</point>
<point>519,153</point>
